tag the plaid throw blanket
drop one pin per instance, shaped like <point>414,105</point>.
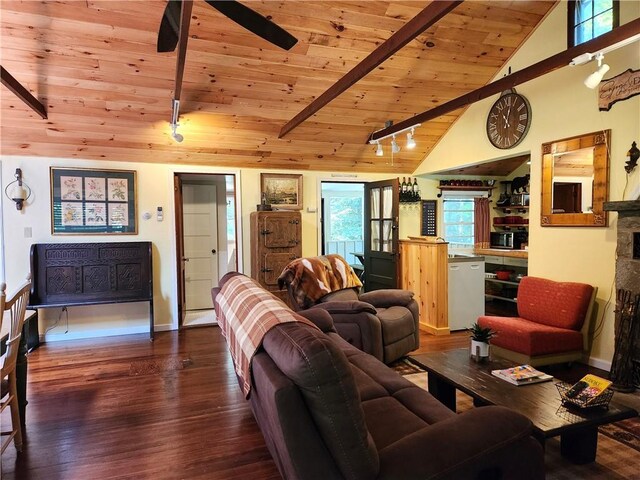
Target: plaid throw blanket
<point>310,279</point>
<point>245,313</point>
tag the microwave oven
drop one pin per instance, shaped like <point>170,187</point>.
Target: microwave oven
<point>508,240</point>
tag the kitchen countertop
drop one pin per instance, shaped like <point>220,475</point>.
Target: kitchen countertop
<point>498,252</point>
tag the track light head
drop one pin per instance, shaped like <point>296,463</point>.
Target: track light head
<point>379,150</point>
<point>175,135</point>
<point>411,143</point>
<point>593,80</point>
<point>395,148</point>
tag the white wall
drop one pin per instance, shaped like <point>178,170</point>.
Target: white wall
<point>562,107</point>
<point>154,188</point>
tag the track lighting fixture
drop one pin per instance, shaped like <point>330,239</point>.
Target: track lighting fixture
<point>379,150</point>
<point>175,135</point>
<point>593,80</point>
<point>175,114</point>
<point>411,143</point>
<point>395,148</point>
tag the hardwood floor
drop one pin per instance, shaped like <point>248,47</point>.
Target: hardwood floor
<point>123,407</point>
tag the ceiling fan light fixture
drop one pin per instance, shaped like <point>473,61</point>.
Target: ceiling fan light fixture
<point>411,143</point>
<point>379,150</point>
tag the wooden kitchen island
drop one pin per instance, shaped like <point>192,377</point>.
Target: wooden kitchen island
<point>424,271</point>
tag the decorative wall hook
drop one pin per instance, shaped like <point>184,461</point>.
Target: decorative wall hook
<point>633,154</point>
<point>18,191</point>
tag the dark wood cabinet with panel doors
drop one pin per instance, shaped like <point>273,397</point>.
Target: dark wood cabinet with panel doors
<point>276,239</point>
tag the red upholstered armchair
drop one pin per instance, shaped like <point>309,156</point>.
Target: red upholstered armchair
<point>553,323</point>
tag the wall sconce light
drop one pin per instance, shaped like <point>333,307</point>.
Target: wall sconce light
<point>18,191</point>
<point>593,80</point>
<point>395,148</point>
<point>175,113</point>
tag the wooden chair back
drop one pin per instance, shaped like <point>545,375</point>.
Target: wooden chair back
<point>13,311</point>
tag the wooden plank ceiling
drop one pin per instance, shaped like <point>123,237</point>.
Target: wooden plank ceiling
<point>108,93</point>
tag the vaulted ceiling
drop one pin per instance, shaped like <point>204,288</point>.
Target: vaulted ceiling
<point>94,66</point>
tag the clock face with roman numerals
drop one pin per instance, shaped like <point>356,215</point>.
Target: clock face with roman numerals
<point>508,121</point>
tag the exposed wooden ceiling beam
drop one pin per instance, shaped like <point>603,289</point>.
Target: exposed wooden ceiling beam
<point>414,27</point>
<point>185,18</point>
<point>531,72</point>
<point>22,93</point>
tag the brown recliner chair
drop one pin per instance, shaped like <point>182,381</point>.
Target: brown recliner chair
<point>383,323</point>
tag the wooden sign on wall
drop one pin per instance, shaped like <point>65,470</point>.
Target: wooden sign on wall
<point>620,87</point>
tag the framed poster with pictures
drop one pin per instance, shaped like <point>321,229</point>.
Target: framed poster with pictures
<point>87,201</point>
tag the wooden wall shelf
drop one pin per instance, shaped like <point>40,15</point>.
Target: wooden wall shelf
<point>465,188</point>
<point>517,208</point>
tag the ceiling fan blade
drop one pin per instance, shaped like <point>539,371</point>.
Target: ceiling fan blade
<point>169,27</point>
<point>254,22</point>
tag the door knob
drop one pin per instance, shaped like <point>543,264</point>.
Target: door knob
<point>185,259</point>
<point>213,250</point>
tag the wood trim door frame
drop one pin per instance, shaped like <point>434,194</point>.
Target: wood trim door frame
<point>179,231</point>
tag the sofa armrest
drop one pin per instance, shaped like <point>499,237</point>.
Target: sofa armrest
<point>320,318</point>
<point>350,306</point>
<point>357,323</point>
<point>493,440</point>
<point>387,298</point>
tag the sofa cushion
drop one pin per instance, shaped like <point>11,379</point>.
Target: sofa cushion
<point>531,338</point>
<point>557,304</point>
<point>393,406</point>
<point>322,373</point>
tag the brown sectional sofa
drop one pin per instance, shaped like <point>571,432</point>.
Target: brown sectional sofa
<point>330,411</point>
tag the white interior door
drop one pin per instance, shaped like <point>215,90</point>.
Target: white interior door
<point>200,223</point>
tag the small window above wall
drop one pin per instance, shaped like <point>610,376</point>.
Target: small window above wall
<point>588,19</point>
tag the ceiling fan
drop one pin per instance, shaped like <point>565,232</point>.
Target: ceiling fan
<point>174,32</point>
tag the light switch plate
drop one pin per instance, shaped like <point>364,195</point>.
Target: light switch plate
<point>28,232</point>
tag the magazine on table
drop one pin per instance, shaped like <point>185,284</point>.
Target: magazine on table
<point>522,375</point>
<point>587,389</point>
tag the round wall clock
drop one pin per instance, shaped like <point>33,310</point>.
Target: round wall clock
<point>509,120</point>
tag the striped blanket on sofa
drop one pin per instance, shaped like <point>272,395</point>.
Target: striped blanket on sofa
<point>309,279</point>
<point>245,313</point>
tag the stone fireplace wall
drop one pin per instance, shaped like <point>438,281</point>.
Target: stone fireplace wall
<point>628,259</point>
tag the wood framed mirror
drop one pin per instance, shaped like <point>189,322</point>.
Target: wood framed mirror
<point>575,181</point>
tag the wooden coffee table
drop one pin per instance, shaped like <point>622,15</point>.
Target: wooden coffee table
<point>540,402</point>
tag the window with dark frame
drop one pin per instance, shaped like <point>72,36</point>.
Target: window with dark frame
<point>588,19</point>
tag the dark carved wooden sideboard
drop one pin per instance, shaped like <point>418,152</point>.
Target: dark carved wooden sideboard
<point>72,274</point>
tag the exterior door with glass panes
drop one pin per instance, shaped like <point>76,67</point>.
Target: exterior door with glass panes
<point>381,246</point>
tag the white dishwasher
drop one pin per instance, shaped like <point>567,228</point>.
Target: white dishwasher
<point>466,290</point>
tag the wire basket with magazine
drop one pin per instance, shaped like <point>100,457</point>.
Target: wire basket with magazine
<point>582,401</point>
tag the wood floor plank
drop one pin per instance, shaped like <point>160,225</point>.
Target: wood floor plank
<point>123,407</point>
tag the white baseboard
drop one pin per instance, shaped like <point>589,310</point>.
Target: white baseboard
<point>599,363</point>
<point>166,327</point>
<point>105,332</point>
